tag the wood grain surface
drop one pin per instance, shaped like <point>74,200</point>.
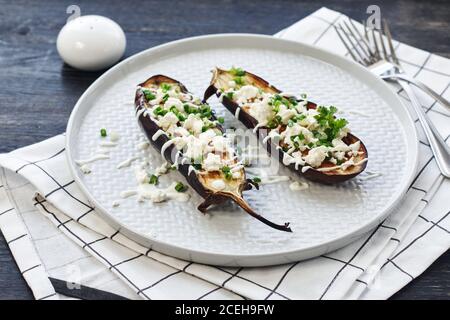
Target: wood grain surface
<point>38,92</point>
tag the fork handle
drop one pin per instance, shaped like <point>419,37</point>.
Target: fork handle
<point>422,86</point>
<point>440,149</point>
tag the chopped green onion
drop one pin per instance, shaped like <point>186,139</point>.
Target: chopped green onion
<point>221,120</point>
<point>148,94</point>
<point>180,187</point>
<point>103,132</point>
<point>165,87</point>
<point>237,72</point>
<point>256,179</point>
<point>159,111</point>
<point>239,81</point>
<point>229,95</point>
<point>227,172</point>
<point>153,179</point>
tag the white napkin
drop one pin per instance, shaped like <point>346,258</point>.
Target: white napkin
<point>35,183</point>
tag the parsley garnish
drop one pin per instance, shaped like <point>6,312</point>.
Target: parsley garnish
<point>330,125</point>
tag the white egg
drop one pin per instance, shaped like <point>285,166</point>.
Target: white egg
<point>91,42</point>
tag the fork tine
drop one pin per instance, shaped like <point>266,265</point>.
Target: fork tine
<point>363,59</point>
<point>389,38</point>
<point>374,39</point>
<point>357,42</point>
<point>380,35</point>
<point>361,37</point>
<point>346,45</point>
<point>366,34</point>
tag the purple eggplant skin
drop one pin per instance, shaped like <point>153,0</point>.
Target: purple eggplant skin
<point>149,127</point>
<point>324,177</point>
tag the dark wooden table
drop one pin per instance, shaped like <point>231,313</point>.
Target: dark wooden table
<point>37,92</point>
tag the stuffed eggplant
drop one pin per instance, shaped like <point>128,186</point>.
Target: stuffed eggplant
<point>310,139</point>
<point>188,135</point>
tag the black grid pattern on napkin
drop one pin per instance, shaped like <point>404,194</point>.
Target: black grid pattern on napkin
<point>232,275</point>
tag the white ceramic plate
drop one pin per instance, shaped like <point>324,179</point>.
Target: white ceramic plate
<point>323,218</point>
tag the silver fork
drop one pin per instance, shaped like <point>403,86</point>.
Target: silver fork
<point>379,57</point>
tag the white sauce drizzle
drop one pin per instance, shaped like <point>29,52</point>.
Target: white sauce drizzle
<point>103,151</point>
<point>166,145</point>
<point>175,161</point>
<point>356,112</point>
<point>158,134</point>
<point>126,163</point>
<point>92,159</point>
<point>236,113</point>
<point>146,191</point>
<point>140,111</point>
<point>344,165</point>
<point>107,144</point>
<point>261,124</point>
<point>306,168</point>
<point>298,186</point>
<point>370,175</point>
<point>190,169</point>
<point>273,179</point>
<point>128,193</point>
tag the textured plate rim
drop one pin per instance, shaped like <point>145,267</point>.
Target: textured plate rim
<point>264,259</point>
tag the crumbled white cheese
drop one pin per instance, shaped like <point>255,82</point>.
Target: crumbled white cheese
<point>193,123</point>
<point>286,114</point>
<point>212,162</point>
<point>316,156</point>
<point>168,119</point>
<point>85,169</point>
<point>246,93</point>
<point>207,136</point>
<point>261,111</point>
<point>194,148</point>
<point>173,102</point>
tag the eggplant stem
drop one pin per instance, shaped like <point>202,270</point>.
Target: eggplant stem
<point>244,205</point>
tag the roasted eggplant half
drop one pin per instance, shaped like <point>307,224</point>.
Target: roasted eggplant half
<point>308,138</point>
<point>188,135</point>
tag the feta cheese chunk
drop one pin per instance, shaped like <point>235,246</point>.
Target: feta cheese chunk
<point>167,120</point>
<point>212,162</point>
<point>316,156</point>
